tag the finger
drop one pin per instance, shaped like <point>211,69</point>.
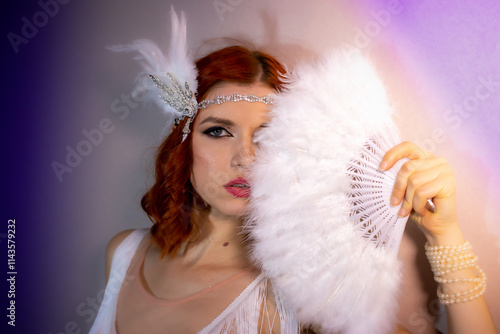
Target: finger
<point>437,189</point>
<point>414,173</point>
<point>404,150</point>
<point>430,183</point>
<point>423,193</point>
<point>416,198</point>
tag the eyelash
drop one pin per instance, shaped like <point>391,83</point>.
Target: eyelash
<point>209,132</point>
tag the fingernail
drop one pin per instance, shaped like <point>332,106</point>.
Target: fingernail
<point>394,200</point>
<point>402,212</point>
<point>383,165</point>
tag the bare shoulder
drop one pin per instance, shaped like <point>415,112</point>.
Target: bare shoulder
<point>112,246</point>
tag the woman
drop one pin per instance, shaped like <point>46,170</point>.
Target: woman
<point>191,272</point>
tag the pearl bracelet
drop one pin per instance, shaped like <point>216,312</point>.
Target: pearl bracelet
<point>447,259</point>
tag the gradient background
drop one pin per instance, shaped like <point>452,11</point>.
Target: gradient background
<point>432,56</point>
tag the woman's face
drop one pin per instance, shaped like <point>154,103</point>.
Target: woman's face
<point>222,147</point>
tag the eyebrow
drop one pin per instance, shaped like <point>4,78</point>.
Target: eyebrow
<point>218,120</point>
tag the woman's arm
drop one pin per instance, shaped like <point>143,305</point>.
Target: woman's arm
<point>428,177</point>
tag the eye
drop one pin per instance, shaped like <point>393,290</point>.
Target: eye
<point>217,132</point>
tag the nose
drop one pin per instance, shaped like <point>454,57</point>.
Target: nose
<point>244,153</point>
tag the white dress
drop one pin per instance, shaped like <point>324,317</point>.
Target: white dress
<point>242,314</point>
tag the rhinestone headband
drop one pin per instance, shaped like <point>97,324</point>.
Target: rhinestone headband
<point>183,100</point>
<point>234,98</point>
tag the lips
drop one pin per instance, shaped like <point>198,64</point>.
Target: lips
<point>238,187</point>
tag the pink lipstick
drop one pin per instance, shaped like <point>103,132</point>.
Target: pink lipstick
<point>238,187</point>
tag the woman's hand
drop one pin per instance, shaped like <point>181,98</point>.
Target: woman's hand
<point>423,177</point>
<point>426,176</point>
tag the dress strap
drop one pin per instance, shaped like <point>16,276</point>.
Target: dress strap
<point>105,320</point>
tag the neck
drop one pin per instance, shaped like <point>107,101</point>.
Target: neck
<point>221,240</point>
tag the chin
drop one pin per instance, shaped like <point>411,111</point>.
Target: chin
<point>235,207</point>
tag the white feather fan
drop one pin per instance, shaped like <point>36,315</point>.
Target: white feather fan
<point>320,218</point>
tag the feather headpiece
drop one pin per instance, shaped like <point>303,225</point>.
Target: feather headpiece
<point>174,76</point>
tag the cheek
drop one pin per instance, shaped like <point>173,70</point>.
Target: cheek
<point>204,164</point>
<point>209,172</point>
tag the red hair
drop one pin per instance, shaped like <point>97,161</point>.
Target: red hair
<point>172,199</point>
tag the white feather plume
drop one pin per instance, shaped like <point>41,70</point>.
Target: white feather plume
<point>299,213</point>
<point>179,64</point>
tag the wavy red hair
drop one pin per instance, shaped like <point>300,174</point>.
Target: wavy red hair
<point>172,199</point>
